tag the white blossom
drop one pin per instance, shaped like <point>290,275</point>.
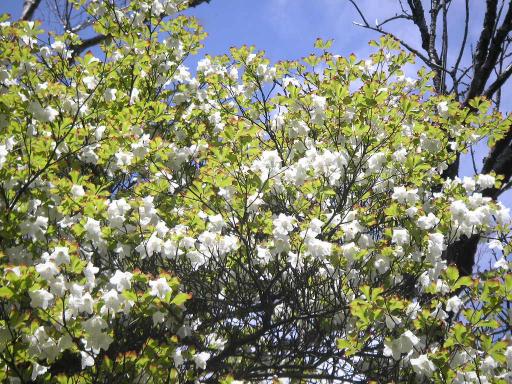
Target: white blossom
<point>40,298</point>
<point>201,359</point>
<point>122,280</point>
<point>159,288</point>
<point>423,366</point>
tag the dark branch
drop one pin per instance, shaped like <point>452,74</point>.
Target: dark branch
<point>498,83</point>
<point>87,43</point>
<point>428,38</point>
<point>485,59</point>
<point>29,7</point>
<point>195,3</point>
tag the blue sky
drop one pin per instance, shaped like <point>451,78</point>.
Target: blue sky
<point>287,29</point>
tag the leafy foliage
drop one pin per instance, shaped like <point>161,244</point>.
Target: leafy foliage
<point>249,222</point>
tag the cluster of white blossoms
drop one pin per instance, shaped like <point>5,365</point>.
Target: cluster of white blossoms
<point>81,296</point>
<point>252,202</point>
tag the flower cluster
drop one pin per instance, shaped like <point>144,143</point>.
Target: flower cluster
<point>252,221</point>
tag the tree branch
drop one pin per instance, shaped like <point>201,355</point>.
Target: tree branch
<point>428,37</point>
<point>29,7</point>
<point>87,43</point>
<point>195,3</point>
<point>488,51</point>
<point>498,83</point>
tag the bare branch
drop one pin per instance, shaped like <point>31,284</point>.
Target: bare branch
<point>411,49</point>
<point>428,37</point>
<point>462,47</point>
<point>485,35</point>
<point>444,41</point>
<point>361,14</point>
<point>195,3</point>
<point>396,17</point>
<point>29,7</point>
<point>498,83</point>
<point>87,43</point>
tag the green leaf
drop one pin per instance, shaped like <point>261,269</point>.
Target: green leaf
<point>181,298</point>
<point>6,293</point>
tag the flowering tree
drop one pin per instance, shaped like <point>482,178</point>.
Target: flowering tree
<point>251,222</point>
<point>485,70</point>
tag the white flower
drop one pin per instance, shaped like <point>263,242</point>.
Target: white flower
<point>122,280</point>
<point>489,365</point>
<point>412,310</point>
<point>47,270</point>
<point>436,246</point>
<point>400,155</point>
<point>400,237</point>
<point>96,338</point>
<point>196,259</point>
<point>263,254</point>
<point>200,359</point>
<point>123,159</point>
<point>112,301</point>
<point>459,210</point>
<point>60,255</point>
<point>116,211</point>
<point>423,366</point>
<point>405,196</point>
<point>110,94</point>
<point>3,155</point>
<point>442,108</point>
<point>77,191</point>
<point>216,223</point>
<point>411,212</point>
<point>469,184</point>
<point>495,244</point>
<point>87,359</point>
<point>170,249</point>
<point>428,222</point>
<point>93,229</point>
<point>153,245</point>
<point>35,229</point>
<point>392,321</point>
<point>45,115</point>
<point>134,95</point>
<point>438,313</point>
<point>382,264</point>
<point>453,304</point>
<point>268,166</point>
<point>502,214</point>
<point>38,370</point>
<point>58,46</point>
<point>233,73</point>
<point>157,8</point>
<point>318,248</point>
<point>40,298</point>
<point>159,288</point>
<point>90,82</point>
<point>376,161</point>
<point>283,224</point>
<point>350,250</point>
<point>485,181</point>
<point>501,264</point>
<point>205,66</point>
<point>409,340</point>
<point>442,286</point>
<point>393,349</point>
<point>89,271</point>
<point>508,356</point>
<point>178,358</point>
<point>95,324</point>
